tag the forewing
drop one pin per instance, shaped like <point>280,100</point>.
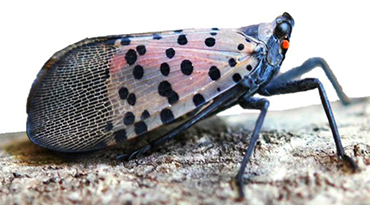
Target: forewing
<point>129,85</point>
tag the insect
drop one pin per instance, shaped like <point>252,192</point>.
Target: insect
<point>106,90</point>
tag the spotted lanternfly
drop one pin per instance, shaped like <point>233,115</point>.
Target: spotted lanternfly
<point>106,90</point>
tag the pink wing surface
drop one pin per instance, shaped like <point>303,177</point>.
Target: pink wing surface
<point>103,91</point>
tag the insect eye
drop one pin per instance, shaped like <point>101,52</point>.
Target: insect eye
<point>282,30</point>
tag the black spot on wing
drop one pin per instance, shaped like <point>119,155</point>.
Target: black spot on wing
<point>157,36</point>
<point>164,88</point>
<point>131,57</point>
<point>172,98</point>
<point>240,47</point>
<point>145,115</point>
<point>123,93</point>
<point>129,118</point>
<point>106,73</point>
<point>210,42</point>
<point>236,77</point>
<point>141,50</point>
<point>187,67</point>
<point>120,136</point>
<point>125,41</point>
<point>198,99</point>
<point>214,73</point>
<point>109,126</point>
<point>232,62</point>
<point>131,99</point>
<point>170,53</point>
<point>182,40</point>
<point>140,127</point>
<point>138,72</point>
<point>249,67</point>
<point>166,116</point>
<point>165,69</point>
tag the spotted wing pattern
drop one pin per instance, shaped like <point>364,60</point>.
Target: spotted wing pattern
<point>105,90</point>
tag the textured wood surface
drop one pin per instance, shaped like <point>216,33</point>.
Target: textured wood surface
<point>294,163</point>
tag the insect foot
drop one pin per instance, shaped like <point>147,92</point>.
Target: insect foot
<point>351,163</point>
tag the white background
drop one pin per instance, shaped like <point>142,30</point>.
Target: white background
<point>31,31</point>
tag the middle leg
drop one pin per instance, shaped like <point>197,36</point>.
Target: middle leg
<point>262,104</point>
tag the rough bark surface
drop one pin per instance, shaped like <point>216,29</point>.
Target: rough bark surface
<point>294,162</point>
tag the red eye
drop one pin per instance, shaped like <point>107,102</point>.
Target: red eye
<point>285,44</point>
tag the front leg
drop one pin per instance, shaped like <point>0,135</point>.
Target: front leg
<point>310,84</point>
<point>307,66</point>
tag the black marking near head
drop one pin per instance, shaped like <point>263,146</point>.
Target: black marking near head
<point>249,67</point>
<point>240,47</point>
<point>120,136</point>
<point>215,29</point>
<point>131,57</point>
<point>141,50</point>
<point>198,99</point>
<point>131,99</point>
<point>187,67</point>
<point>232,62</point>
<point>157,36</point>
<point>138,72</point>
<point>140,128</point>
<point>145,115</point>
<point>214,73</point>
<point>178,31</point>
<point>125,41</point>
<point>123,93</point>
<point>210,42</point>
<point>170,53</point>
<point>237,77</point>
<point>166,116</point>
<point>165,69</point>
<point>129,118</point>
<point>182,40</point>
<point>213,33</point>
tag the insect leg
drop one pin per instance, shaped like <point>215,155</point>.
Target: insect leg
<point>251,103</point>
<point>307,66</point>
<point>202,114</point>
<point>310,84</point>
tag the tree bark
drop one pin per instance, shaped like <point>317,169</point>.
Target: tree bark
<point>294,162</point>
